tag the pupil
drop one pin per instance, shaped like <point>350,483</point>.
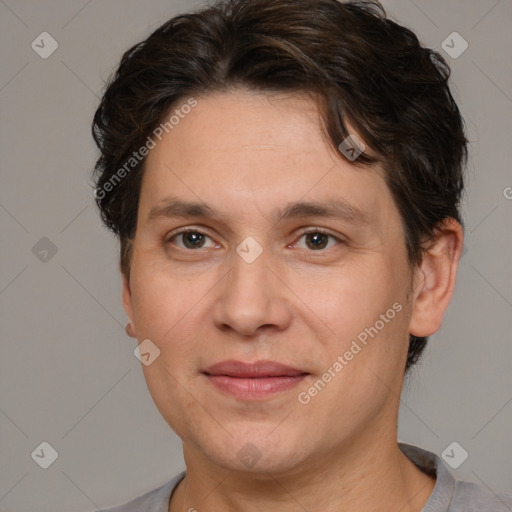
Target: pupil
<point>193,238</point>
<point>318,238</point>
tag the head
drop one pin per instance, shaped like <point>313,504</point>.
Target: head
<point>247,108</point>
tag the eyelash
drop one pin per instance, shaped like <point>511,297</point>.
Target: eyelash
<point>302,234</point>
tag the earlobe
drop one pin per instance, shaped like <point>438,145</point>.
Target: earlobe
<point>435,279</point>
<point>130,330</point>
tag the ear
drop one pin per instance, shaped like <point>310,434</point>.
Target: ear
<point>127,297</point>
<point>435,279</point>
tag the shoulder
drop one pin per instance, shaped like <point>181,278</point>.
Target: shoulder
<point>156,500</point>
<point>471,497</point>
<point>450,494</point>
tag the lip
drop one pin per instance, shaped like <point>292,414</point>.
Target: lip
<point>257,369</point>
<point>252,381</point>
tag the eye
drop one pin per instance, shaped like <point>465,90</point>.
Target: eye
<point>190,238</point>
<point>317,239</point>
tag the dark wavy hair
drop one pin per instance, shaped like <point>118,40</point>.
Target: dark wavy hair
<point>362,67</point>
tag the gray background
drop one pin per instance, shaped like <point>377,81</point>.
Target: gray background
<point>68,375</point>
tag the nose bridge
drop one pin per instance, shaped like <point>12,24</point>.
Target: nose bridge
<point>248,285</point>
<point>251,296</point>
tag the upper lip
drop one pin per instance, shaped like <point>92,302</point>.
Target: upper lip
<point>260,369</point>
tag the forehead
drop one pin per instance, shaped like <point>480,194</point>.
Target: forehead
<point>241,147</point>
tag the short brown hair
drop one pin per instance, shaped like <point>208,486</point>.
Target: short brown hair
<point>366,69</point>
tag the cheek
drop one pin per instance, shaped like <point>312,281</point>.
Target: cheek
<point>367,314</point>
<point>160,302</point>
<point>171,311</point>
<point>348,298</point>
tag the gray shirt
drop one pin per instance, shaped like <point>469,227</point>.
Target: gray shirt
<point>449,494</point>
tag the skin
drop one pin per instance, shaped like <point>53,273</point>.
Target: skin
<point>247,154</point>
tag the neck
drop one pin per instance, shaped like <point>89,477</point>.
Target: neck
<point>366,474</point>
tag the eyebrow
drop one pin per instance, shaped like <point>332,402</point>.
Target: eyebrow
<point>335,209</point>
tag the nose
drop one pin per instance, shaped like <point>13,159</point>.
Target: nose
<point>252,297</point>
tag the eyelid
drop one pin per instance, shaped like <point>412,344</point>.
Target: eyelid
<point>187,229</point>
<point>323,231</point>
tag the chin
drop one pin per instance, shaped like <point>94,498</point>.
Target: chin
<point>258,451</point>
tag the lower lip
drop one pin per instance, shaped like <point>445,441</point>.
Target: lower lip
<point>255,388</point>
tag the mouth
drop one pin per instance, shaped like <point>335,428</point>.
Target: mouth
<point>253,381</point>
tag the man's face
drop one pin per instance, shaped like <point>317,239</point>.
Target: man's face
<point>331,304</point>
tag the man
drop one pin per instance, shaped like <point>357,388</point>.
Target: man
<point>284,178</point>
